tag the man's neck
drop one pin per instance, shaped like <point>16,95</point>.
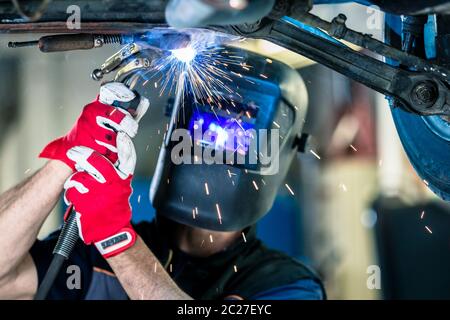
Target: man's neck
<point>202,242</point>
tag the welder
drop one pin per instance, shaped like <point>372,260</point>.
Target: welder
<point>202,243</point>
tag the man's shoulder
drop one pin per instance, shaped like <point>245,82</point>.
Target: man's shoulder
<point>265,260</point>
<point>261,269</point>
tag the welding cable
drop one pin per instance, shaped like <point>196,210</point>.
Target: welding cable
<point>64,246</point>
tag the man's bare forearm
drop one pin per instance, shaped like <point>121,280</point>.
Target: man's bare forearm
<point>24,208</point>
<point>143,277</point>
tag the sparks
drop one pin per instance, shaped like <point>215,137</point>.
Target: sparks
<point>315,154</point>
<point>243,236</point>
<point>218,213</point>
<point>185,55</point>
<point>428,229</point>
<point>422,214</point>
<point>255,185</point>
<point>354,149</point>
<point>206,189</point>
<point>211,238</point>
<point>204,61</point>
<point>289,188</point>
<point>235,268</point>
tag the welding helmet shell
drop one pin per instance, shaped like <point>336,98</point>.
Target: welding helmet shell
<point>230,197</point>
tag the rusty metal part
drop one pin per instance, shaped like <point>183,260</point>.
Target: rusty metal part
<point>87,27</point>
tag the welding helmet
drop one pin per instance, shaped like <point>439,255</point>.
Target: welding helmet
<point>267,97</point>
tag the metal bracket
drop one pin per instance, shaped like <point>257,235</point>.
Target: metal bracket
<point>131,67</point>
<point>423,92</point>
<point>113,62</point>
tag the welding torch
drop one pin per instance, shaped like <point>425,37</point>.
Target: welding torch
<point>125,63</point>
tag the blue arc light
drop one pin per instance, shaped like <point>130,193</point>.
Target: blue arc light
<point>185,55</point>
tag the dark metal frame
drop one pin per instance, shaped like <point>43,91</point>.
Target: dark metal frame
<point>423,91</point>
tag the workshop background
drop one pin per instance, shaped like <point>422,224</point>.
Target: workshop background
<point>359,211</point>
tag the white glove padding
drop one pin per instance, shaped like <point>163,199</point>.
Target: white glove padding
<point>112,92</point>
<point>124,166</point>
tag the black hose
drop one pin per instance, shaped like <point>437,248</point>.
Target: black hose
<point>64,246</point>
<point>50,277</point>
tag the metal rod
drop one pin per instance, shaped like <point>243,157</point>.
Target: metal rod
<point>22,44</point>
<point>339,30</point>
<point>369,71</point>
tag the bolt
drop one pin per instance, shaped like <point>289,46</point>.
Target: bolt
<point>341,18</point>
<point>97,74</point>
<point>98,42</point>
<point>338,28</point>
<point>425,94</point>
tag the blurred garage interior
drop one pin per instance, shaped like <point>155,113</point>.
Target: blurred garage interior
<point>357,206</point>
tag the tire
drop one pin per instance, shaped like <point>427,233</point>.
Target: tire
<point>426,140</point>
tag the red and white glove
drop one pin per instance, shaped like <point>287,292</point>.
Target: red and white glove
<point>99,193</point>
<point>99,123</point>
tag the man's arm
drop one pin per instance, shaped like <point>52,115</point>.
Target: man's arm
<point>25,207</point>
<point>142,276</point>
<point>23,210</point>
<point>106,222</point>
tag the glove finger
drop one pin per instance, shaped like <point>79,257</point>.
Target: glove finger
<point>110,118</point>
<point>115,91</point>
<point>73,189</point>
<point>77,181</point>
<point>141,109</point>
<point>88,160</point>
<point>126,124</point>
<point>126,155</point>
<point>107,146</point>
<point>95,164</point>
